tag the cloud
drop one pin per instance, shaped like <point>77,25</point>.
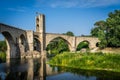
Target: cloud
<point>17,9</point>
<point>66,4</point>
<point>99,3</point>
<point>78,3</point>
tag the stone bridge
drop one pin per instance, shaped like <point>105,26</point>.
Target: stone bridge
<point>20,42</point>
<point>72,41</point>
<point>17,40</point>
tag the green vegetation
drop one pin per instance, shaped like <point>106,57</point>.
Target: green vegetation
<point>88,61</point>
<point>69,33</point>
<point>108,31</point>
<point>3,48</point>
<point>2,57</point>
<point>83,44</point>
<point>57,46</point>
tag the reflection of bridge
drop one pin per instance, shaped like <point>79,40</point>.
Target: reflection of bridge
<point>22,41</point>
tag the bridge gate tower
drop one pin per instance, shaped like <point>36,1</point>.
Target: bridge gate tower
<point>40,29</point>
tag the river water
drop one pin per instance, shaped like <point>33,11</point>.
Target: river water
<point>36,69</point>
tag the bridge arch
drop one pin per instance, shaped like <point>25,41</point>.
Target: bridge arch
<point>92,41</point>
<point>58,37</point>
<point>23,43</point>
<point>11,46</point>
<point>37,44</point>
<point>83,44</point>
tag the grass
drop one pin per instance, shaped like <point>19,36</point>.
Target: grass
<point>89,61</point>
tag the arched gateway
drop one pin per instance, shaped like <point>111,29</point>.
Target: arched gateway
<point>20,42</point>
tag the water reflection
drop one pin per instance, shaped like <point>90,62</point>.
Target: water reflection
<point>23,69</point>
<point>30,70</point>
<point>36,69</point>
<point>42,71</point>
<point>66,73</point>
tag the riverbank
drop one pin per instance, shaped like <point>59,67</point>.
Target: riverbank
<point>88,61</point>
<point>110,50</point>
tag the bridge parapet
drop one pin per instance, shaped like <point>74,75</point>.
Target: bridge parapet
<point>15,32</point>
<point>10,27</point>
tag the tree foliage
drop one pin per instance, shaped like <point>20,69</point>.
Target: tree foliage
<point>69,33</point>
<point>108,31</point>
<point>83,44</point>
<point>3,46</point>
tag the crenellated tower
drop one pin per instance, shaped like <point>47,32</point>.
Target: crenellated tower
<point>40,23</point>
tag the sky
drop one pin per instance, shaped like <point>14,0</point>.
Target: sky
<point>77,16</point>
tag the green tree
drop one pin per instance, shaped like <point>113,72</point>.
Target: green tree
<point>100,25</point>
<point>113,32</point>
<point>95,31</point>
<point>100,32</point>
<point>62,46</point>
<point>102,38</point>
<point>69,33</point>
<point>108,31</point>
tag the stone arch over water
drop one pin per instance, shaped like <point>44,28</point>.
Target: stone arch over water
<point>37,44</point>
<point>11,46</point>
<point>23,43</point>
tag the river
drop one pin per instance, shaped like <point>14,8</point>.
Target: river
<point>36,69</point>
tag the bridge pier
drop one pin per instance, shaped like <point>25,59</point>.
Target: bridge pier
<point>30,40</point>
<point>92,45</point>
<point>12,50</point>
<point>73,49</point>
<point>74,44</point>
<point>40,29</point>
